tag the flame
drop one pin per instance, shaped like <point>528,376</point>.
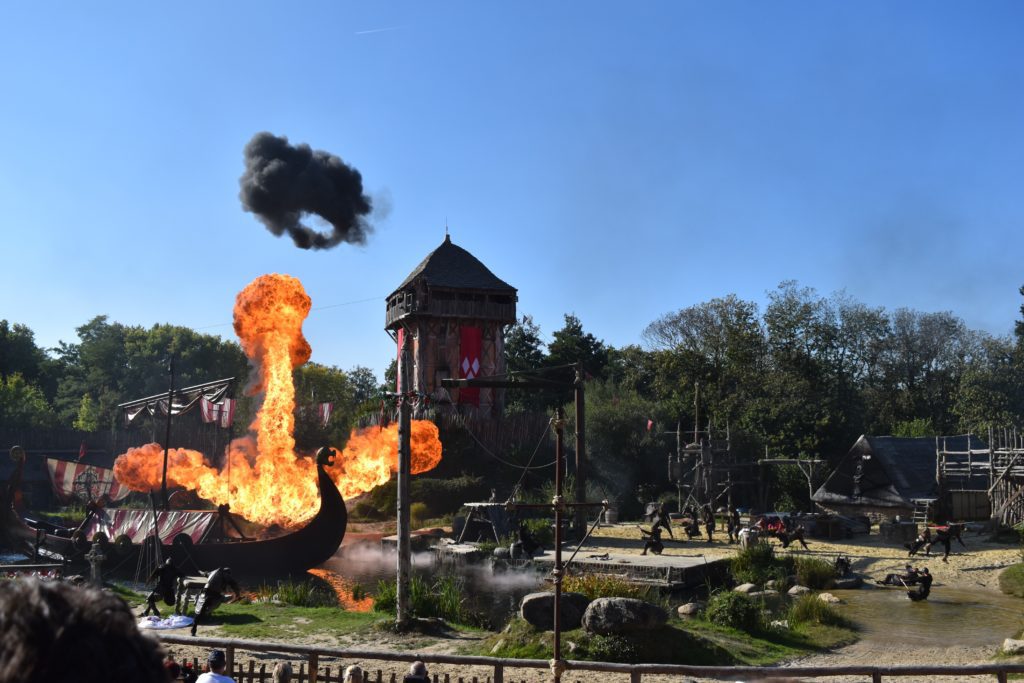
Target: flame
<point>264,479</point>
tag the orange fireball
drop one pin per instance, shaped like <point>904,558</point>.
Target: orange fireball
<point>264,479</point>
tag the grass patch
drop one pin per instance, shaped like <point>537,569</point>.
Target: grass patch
<point>285,622</point>
<point>814,573</point>
<point>596,586</point>
<point>696,642</point>
<point>758,564</point>
<point>810,609</point>
<point>442,599</point>
<point>1011,580</point>
<point>133,598</point>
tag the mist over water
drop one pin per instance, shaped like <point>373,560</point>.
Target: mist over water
<point>495,595</point>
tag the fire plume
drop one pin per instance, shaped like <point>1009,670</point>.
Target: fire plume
<point>263,478</point>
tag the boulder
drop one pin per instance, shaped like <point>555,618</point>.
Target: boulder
<point>607,616</point>
<point>1013,647</point>
<point>690,609</point>
<point>797,591</point>
<point>829,598</point>
<point>538,610</point>
<point>848,583</point>
<point>745,588</point>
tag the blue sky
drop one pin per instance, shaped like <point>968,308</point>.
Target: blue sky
<point>614,160</point>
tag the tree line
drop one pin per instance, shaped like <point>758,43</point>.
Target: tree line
<point>802,378</point>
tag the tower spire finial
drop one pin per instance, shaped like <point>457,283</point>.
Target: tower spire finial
<point>447,237</point>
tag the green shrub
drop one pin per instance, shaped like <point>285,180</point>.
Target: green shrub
<point>614,648</point>
<point>542,531</point>
<point>733,609</point>
<point>1011,580</point>
<point>442,599</point>
<point>810,609</point>
<point>297,593</point>
<point>814,573</point>
<point>418,514</point>
<point>757,564</point>
<point>440,496</point>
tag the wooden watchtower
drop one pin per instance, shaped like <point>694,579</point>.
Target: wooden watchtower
<point>455,311</point>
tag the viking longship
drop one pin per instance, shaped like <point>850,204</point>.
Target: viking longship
<point>195,540</point>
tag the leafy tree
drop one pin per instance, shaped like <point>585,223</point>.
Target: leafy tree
<point>23,405</point>
<point>88,416</point>
<point>524,352</point>
<point>365,386</point>
<point>316,384</point>
<point>19,353</point>
<point>572,344</point>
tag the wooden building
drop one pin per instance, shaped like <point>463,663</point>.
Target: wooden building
<point>455,312</point>
<point>917,479</point>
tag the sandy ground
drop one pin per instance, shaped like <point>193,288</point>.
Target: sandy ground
<point>976,566</point>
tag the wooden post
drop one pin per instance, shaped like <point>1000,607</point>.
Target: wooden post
<point>229,654</point>
<point>499,673</point>
<point>557,503</point>
<point>167,434</point>
<point>402,615</point>
<point>581,454</point>
<point>314,666</point>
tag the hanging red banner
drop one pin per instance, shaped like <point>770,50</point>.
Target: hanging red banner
<point>469,363</point>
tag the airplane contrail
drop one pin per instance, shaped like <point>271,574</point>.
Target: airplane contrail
<point>378,30</point>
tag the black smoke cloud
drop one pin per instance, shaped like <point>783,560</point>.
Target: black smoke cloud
<point>284,184</point>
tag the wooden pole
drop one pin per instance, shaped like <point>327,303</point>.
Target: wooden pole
<point>580,490</point>
<point>404,466</point>
<point>557,503</point>
<point>167,435</point>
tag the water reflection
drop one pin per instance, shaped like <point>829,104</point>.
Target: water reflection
<point>964,616</point>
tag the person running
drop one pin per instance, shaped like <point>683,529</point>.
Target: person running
<point>166,577</point>
<point>945,536</point>
<point>652,540</point>
<point>796,534</point>
<point>732,525</point>
<point>661,518</point>
<point>923,539</point>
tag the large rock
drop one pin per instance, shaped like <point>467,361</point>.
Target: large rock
<point>797,591</point>
<point>690,609</point>
<point>1013,647</point>
<point>829,598</point>
<point>745,588</point>
<point>606,616</point>
<point>538,610</point>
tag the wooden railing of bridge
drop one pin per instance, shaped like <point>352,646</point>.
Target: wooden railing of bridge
<point>311,670</point>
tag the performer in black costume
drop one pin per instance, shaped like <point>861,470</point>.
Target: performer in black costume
<point>166,577</point>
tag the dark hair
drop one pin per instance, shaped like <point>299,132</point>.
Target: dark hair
<point>56,632</point>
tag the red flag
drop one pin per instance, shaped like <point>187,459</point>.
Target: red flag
<point>82,451</point>
<point>650,423</point>
<point>469,363</point>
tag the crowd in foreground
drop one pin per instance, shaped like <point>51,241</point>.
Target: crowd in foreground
<point>56,632</point>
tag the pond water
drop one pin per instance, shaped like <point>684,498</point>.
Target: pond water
<point>965,616</point>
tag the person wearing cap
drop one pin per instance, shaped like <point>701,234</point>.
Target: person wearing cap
<point>218,664</point>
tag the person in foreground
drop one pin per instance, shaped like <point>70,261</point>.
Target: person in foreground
<point>54,632</point>
<point>218,665</point>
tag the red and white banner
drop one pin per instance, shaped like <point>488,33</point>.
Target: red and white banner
<point>470,345</point>
<point>324,410</point>
<point>222,413</point>
<point>71,479</point>
<point>137,524</point>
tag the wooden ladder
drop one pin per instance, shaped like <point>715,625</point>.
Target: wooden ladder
<point>921,509</point>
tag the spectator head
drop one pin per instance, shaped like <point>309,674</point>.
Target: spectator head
<point>57,632</point>
<point>283,673</point>
<point>217,661</point>
<point>418,668</point>
<point>354,674</point>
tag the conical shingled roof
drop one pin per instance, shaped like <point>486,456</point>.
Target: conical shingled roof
<point>452,266</point>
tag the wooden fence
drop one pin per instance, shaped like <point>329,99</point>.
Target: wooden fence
<point>311,671</point>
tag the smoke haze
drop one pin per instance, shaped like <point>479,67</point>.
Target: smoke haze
<point>285,184</point>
